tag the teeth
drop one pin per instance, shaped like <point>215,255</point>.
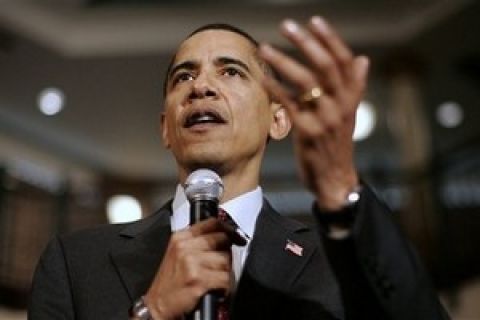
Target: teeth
<point>205,118</point>
<point>199,118</point>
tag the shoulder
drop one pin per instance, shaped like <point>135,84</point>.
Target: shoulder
<point>95,236</point>
<point>103,237</point>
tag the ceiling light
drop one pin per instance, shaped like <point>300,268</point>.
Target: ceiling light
<point>51,101</point>
<point>365,121</point>
<point>449,114</point>
<point>123,208</point>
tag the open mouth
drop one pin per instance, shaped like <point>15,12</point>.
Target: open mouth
<point>203,117</point>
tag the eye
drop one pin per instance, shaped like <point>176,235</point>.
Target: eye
<point>231,72</point>
<point>181,77</point>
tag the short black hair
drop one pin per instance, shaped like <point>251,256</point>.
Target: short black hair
<point>225,27</point>
<point>216,26</point>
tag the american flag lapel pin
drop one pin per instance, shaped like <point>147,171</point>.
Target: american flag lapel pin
<point>294,248</point>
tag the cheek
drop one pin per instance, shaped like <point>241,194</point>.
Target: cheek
<point>259,109</point>
<point>250,109</point>
<point>254,120</point>
<point>171,125</point>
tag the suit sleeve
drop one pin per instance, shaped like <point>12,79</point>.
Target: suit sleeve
<point>51,295</point>
<point>378,271</point>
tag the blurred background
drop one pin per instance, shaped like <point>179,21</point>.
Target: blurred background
<point>81,93</point>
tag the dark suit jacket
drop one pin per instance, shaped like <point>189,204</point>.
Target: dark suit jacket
<point>97,274</point>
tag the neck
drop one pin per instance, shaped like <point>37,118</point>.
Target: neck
<point>236,185</point>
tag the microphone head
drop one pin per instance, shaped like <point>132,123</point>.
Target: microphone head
<point>203,184</point>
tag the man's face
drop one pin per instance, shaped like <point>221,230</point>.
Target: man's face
<point>217,113</point>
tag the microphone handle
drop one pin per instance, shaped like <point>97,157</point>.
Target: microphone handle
<point>202,210</point>
<point>207,307</point>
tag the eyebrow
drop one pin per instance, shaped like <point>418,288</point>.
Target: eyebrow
<point>230,60</point>
<point>191,65</point>
<point>188,65</point>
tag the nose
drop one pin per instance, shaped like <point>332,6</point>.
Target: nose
<point>203,88</point>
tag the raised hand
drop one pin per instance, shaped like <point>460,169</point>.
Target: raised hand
<point>322,105</point>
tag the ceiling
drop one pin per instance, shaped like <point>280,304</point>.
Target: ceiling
<point>109,58</point>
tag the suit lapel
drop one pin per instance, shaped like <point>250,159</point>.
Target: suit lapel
<point>272,264</point>
<point>141,251</point>
<point>269,260</point>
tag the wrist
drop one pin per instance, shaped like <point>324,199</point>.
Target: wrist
<point>155,307</point>
<point>337,223</point>
<point>334,196</point>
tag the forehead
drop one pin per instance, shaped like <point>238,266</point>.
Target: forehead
<point>209,44</point>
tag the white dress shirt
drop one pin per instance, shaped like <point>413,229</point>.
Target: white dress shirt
<point>243,209</point>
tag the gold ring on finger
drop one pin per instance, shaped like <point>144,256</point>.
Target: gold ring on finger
<point>313,94</point>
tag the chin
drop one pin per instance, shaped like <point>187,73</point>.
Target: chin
<point>212,160</point>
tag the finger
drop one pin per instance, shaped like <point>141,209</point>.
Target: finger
<point>193,265</point>
<point>203,280</point>
<point>361,65</point>
<point>329,114</point>
<point>216,280</point>
<point>307,121</point>
<point>216,260</point>
<point>356,86</point>
<point>325,119</point>
<point>319,57</point>
<point>206,226</point>
<point>235,234</point>
<point>333,42</point>
<point>289,69</point>
<point>219,238</point>
<point>181,238</point>
<point>321,107</point>
<point>210,242</point>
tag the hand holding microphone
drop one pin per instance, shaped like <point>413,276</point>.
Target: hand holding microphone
<point>197,260</point>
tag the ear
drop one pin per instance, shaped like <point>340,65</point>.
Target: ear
<point>164,129</point>
<point>281,124</point>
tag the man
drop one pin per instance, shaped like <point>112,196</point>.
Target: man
<point>222,106</point>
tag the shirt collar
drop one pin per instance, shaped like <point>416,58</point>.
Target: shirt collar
<point>243,209</point>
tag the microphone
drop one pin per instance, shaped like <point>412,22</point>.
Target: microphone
<point>203,189</point>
